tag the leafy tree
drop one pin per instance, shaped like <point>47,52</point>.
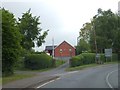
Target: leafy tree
<point>30,30</point>
<point>11,38</point>
<point>103,31</point>
<point>105,26</point>
<point>85,31</point>
<point>82,46</point>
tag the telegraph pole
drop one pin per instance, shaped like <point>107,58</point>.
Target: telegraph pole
<point>53,47</point>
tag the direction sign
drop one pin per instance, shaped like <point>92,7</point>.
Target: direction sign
<point>108,52</point>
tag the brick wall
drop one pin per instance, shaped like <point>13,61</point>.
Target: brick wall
<point>66,50</point>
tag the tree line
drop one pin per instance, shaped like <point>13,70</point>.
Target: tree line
<point>103,31</point>
<point>18,38</point>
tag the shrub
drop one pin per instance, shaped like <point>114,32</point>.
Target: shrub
<point>75,61</point>
<point>84,58</point>
<point>114,57</point>
<point>38,61</point>
<point>102,58</point>
<point>88,58</point>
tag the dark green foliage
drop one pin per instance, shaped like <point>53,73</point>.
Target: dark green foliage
<point>82,59</point>
<point>38,61</point>
<point>76,61</point>
<point>89,58</point>
<point>82,46</point>
<point>115,57</point>
<point>11,38</point>
<point>102,57</point>
<point>30,30</point>
<point>104,29</point>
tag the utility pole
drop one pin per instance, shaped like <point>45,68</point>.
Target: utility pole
<point>78,38</point>
<point>95,40</point>
<point>53,47</point>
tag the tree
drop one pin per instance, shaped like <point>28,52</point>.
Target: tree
<point>11,38</point>
<point>31,33</point>
<point>82,46</point>
<point>102,32</point>
<point>85,31</point>
<point>105,26</point>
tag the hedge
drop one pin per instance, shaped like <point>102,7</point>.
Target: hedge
<point>89,58</point>
<point>114,57</point>
<point>38,61</point>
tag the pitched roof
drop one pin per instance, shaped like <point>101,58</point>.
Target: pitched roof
<point>65,42</point>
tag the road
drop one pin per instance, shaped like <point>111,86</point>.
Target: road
<point>103,76</point>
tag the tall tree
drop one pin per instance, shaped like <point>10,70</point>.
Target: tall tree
<point>11,38</point>
<point>30,30</point>
<point>102,32</point>
<point>105,26</point>
<point>85,31</point>
<point>82,46</point>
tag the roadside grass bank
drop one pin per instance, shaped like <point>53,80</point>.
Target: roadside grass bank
<point>27,73</point>
<point>88,66</point>
<point>0,81</point>
<point>14,77</point>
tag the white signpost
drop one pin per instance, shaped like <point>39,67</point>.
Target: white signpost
<point>108,53</point>
<point>119,8</point>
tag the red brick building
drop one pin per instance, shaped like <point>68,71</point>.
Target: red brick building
<point>62,51</point>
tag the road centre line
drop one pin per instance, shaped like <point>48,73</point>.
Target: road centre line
<point>47,83</point>
<point>56,79</point>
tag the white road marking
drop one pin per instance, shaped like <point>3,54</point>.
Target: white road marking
<point>67,73</point>
<point>57,78</point>
<point>107,79</point>
<point>47,83</point>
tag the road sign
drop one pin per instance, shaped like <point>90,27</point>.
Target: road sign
<point>108,52</point>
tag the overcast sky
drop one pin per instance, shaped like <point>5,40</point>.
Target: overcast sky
<point>63,18</point>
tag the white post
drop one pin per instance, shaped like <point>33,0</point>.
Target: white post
<point>53,47</point>
<point>119,8</point>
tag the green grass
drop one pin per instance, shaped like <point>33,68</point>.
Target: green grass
<point>18,76</point>
<point>0,80</point>
<point>14,77</point>
<point>59,62</point>
<point>87,66</point>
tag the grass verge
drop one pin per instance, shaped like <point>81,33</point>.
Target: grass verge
<point>14,77</point>
<point>87,66</point>
<point>26,73</point>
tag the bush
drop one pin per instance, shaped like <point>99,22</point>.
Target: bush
<point>88,58</point>
<point>38,61</point>
<point>75,61</point>
<point>102,58</point>
<point>114,57</point>
<point>84,58</point>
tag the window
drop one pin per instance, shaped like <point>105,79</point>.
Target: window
<point>70,50</point>
<point>60,50</point>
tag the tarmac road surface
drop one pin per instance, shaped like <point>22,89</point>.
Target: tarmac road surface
<point>103,76</point>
